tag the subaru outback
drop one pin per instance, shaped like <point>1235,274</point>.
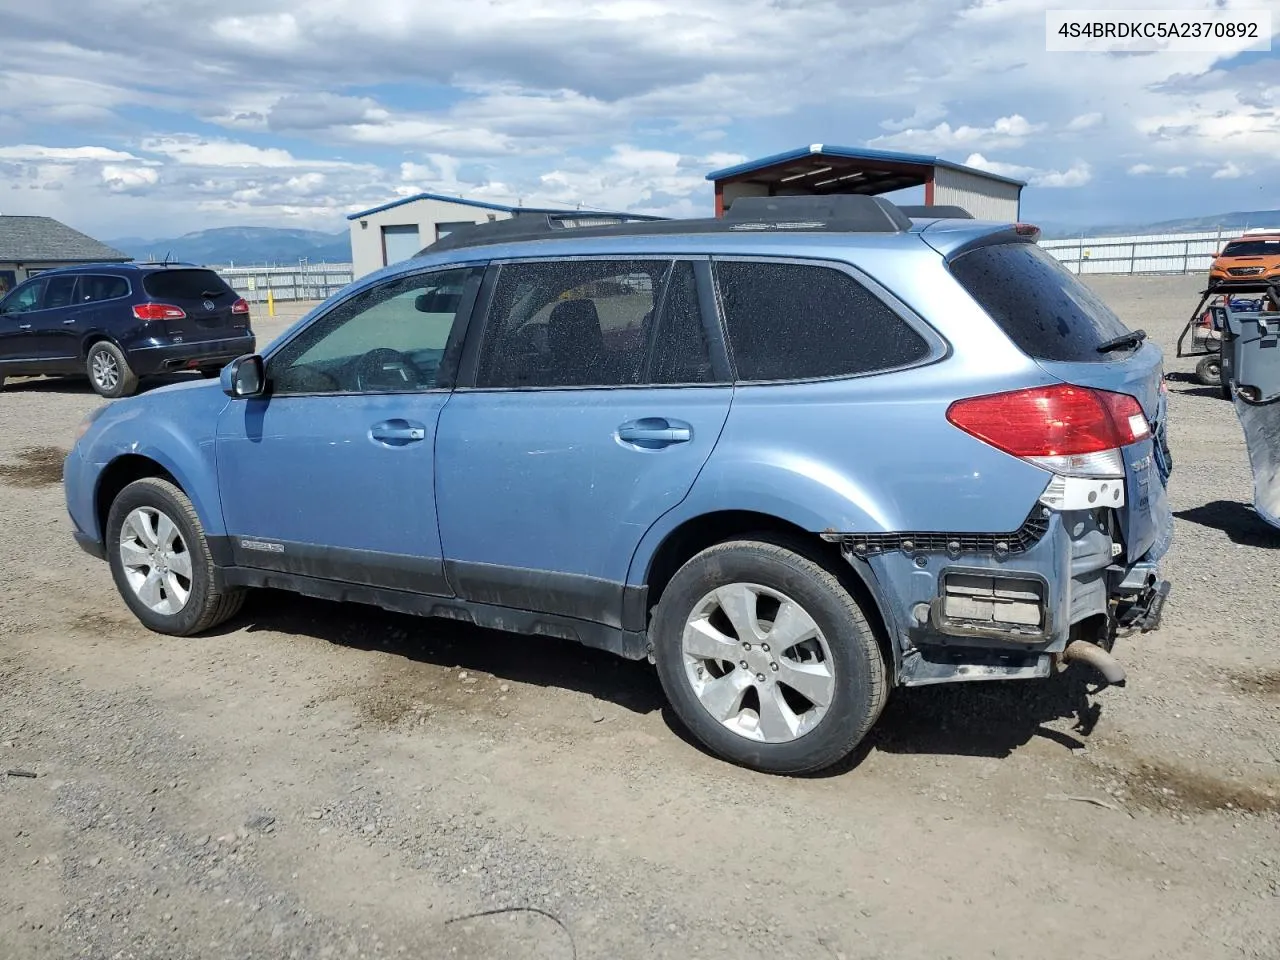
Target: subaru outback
<point>795,457</point>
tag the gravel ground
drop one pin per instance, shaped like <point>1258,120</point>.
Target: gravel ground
<point>320,780</point>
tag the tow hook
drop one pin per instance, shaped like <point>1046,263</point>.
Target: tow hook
<point>1082,651</point>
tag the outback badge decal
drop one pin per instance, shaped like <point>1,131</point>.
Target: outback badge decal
<point>262,546</point>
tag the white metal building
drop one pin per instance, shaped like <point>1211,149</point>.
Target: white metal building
<point>819,169</point>
<point>397,230</point>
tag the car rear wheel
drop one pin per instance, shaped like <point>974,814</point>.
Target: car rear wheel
<point>161,563</point>
<point>767,658</point>
<point>109,371</point>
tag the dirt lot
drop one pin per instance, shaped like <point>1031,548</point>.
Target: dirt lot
<point>319,780</point>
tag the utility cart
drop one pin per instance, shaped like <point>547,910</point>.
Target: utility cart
<point>1207,328</point>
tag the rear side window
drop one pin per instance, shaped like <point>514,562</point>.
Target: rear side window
<point>185,285</point>
<point>575,323</point>
<point>95,288</point>
<point>792,321</point>
<point>59,292</point>
<point>1038,303</point>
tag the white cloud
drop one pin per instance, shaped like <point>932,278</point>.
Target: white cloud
<point>205,152</point>
<point>129,179</point>
<point>34,152</point>
<point>1086,121</point>
<point>1004,133</point>
<point>1140,169</point>
<point>1077,175</point>
<point>1228,171</point>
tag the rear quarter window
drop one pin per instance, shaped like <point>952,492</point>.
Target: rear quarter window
<point>795,321</point>
<point>186,285</point>
<point>1038,303</point>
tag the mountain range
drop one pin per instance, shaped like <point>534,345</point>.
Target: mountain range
<point>274,246</point>
<point>242,246</point>
<point>1240,220</point>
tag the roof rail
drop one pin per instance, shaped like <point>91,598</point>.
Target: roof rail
<point>530,226</point>
<point>940,212</point>
<point>855,212</point>
<point>841,213</point>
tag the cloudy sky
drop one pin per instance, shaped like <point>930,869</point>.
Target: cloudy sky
<point>156,117</point>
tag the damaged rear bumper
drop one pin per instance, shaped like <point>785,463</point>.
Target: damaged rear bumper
<point>1005,606</point>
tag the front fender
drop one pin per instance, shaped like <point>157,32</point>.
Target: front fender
<point>180,438</point>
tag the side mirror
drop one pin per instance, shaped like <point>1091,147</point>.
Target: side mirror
<point>243,377</point>
<point>437,301</point>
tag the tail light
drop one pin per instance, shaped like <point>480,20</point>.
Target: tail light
<point>158,311</point>
<point>1069,430</point>
<point>241,306</point>
<point>1027,230</point>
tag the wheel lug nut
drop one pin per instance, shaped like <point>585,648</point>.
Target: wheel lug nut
<point>742,664</point>
<point>760,677</point>
<point>746,646</point>
<point>773,667</point>
<point>764,647</point>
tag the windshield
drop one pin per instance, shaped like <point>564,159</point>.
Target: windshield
<point>1253,248</point>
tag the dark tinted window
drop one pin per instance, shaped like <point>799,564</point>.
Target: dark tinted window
<point>95,288</point>
<point>1253,248</point>
<point>681,353</point>
<point>186,285</point>
<point>59,292</point>
<point>570,323</point>
<point>1038,303</point>
<point>791,321</point>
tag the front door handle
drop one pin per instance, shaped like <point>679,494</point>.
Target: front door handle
<point>654,433</point>
<point>398,433</point>
<point>24,326</point>
<point>70,320</point>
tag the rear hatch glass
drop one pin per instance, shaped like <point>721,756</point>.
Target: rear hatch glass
<point>202,294</point>
<point>1038,303</point>
<point>1059,322</point>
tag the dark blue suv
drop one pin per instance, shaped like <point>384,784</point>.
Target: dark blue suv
<point>120,322</point>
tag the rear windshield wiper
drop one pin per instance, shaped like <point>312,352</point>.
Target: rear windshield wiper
<point>1131,339</point>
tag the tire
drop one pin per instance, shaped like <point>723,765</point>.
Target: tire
<point>1,381</point>
<point>1224,375</point>
<point>1209,371</point>
<point>109,372</point>
<point>774,573</point>
<point>205,604</point>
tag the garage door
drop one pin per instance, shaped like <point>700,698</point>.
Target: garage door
<point>400,242</point>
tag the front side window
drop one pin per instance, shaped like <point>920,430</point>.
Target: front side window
<point>25,298</point>
<point>571,323</point>
<point>795,321</point>
<point>390,338</point>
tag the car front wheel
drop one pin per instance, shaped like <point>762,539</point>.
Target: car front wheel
<point>160,561</point>
<point>767,658</point>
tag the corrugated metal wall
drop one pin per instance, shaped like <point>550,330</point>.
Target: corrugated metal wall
<point>303,282</point>
<point>1148,253</point>
<point>985,199</point>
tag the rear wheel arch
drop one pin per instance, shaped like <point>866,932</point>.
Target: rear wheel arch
<point>698,533</point>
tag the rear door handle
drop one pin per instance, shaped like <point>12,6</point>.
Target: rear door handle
<point>653,433</point>
<point>398,433</point>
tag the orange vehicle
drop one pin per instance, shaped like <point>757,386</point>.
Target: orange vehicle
<point>1251,258</point>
